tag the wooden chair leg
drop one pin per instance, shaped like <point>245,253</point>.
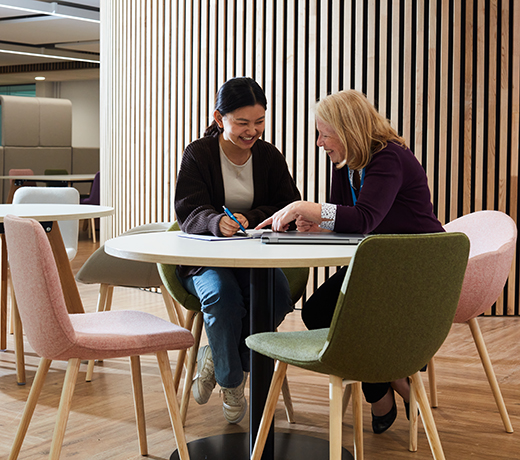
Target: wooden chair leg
<point>173,406</point>
<point>179,310</point>
<point>335,416</point>
<point>432,381</point>
<point>28,411</point>
<point>357,412</point>
<point>3,294</point>
<point>181,359</point>
<point>12,299</point>
<point>64,408</point>
<point>174,314</point>
<point>427,416</point>
<point>137,387</point>
<point>18,344</point>
<point>280,369</point>
<point>413,424</point>
<point>190,370</point>
<point>93,229</point>
<point>490,373</point>
<point>286,393</point>
<point>104,304</point>
<point>346,397</point>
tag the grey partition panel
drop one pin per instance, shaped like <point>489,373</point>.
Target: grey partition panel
<point>38,159</point>
<point>2,199</point>
<point>85,160</point>
<point>20,121</point>
<point>55,122</point>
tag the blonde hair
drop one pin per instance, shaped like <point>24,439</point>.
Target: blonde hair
<point>361,129</point>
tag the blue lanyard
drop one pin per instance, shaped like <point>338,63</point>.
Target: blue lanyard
<point>351,179</point>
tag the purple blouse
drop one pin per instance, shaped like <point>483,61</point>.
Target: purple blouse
<point>395,197</point>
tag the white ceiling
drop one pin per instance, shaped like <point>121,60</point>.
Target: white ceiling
<point>46,32</point>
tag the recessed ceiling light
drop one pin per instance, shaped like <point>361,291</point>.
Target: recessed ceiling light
<point>39,78</point>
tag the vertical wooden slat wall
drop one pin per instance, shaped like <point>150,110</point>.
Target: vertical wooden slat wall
<point>445,72</point>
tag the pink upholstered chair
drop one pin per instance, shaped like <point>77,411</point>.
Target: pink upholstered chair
<point>55,334</point>
<point>492,236</point>
<point>27,183</point>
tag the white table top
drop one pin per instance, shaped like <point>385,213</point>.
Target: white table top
<point>54,212</point>
<point>54,177</point>
<point>169,248</point>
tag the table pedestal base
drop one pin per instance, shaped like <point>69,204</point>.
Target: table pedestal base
<point>288,446</point>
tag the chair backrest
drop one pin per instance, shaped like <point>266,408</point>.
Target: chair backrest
<point>23,172</point>
<point>103,268</point>
<point>68,195</point>
<point>297,278</point>
<point>396,305</point>
<point>56,172</point>
<point>492,235</point>
<point>94,197</point>
<point>38,289</point>
<point>168,274</point>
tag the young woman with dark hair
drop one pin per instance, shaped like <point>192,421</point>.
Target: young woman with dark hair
<point>230,166</point>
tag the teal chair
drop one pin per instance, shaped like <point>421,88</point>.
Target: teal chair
<point>394,311</point>
<point>297,278</point>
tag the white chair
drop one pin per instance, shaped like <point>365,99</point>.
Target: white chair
<point>64,195</point>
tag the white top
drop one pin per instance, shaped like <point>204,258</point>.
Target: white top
<point>55,212</point>
<point>238,183</point>
<point>169,248</point>
<point>57,177</point>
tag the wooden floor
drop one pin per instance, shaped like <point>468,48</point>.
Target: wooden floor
<point>102,425</point>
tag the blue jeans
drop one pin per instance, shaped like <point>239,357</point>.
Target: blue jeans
<point>224,297</point>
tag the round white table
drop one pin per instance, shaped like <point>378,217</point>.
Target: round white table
<point>52,177</point>
<point>170,248</point>
<point>19,180</point>
<point>48,215</point>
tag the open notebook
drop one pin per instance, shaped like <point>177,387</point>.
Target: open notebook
<point>311,238</point>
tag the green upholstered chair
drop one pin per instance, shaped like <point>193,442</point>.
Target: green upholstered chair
<point>394,311</point>
<point>297,278</point>
<point>56,172</point>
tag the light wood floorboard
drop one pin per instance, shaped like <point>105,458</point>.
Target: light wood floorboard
<point>102,425</point>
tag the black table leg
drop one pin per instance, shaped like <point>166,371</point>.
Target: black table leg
<point>262,320</point>
<point>279,446</point>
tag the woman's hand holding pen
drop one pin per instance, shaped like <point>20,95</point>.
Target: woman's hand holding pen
<point>229,227</point>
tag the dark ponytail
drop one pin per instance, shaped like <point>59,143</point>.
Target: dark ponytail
<point>234,94</point>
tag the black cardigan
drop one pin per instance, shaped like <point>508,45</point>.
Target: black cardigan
<point>199,193</point>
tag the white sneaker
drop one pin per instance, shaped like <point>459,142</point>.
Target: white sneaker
<point>235,404</point>
<point>204,381</point>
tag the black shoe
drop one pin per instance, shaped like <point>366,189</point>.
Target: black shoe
<point>407,409</point>
<point>381,423</point>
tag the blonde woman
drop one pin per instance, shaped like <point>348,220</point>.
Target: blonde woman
<point>378,186</point>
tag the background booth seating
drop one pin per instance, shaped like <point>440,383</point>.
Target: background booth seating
<point>37,134</point>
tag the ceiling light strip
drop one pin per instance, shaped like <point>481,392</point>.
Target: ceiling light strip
<point>50,56</point>
<point>52,9</point>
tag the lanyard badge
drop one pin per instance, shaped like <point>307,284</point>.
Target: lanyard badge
<point>351,180</point>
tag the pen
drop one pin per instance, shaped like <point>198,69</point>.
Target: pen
<point>231,216</point>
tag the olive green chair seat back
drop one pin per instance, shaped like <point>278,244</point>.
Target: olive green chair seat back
<point>394,311</point>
